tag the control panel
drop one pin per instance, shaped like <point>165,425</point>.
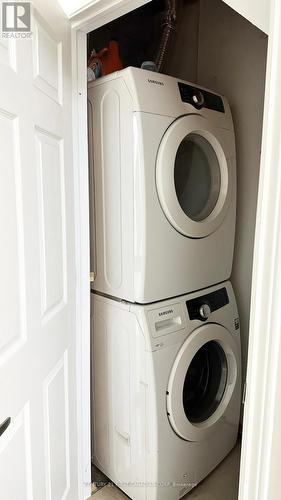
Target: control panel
<point>200,98</point>
<point>202,307</point>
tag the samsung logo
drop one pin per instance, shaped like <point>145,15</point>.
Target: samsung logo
<point>155,81</point>
<point>163,313</point>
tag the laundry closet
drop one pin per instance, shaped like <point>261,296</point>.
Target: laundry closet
<point>174,160</point>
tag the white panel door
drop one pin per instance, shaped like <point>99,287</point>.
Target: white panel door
<point>38,451</point>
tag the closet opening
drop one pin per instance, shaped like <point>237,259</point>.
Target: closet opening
<point>174,159</point>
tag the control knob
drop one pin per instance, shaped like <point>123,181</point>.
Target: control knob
<point>198,99</point>
<point>205,311</point>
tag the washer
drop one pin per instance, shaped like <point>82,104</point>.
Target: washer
<point>163,172</point>
<point>166,390</point>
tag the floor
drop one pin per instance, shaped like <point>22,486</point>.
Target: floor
<point>222,483</point>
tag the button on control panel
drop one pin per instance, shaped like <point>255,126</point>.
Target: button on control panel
<point>202,307</point>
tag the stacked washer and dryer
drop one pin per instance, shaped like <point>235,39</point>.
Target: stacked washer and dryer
<point>165,328</point>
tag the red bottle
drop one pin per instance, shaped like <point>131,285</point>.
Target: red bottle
<point>110,59</point>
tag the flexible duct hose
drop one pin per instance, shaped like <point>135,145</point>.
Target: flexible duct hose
<point>169,25</point>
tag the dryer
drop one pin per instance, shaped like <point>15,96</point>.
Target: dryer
<point>166,390</point>
<point>163,170</point>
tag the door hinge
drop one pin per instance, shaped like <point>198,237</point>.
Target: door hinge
<point>244,393</point>
<point>92,277</point>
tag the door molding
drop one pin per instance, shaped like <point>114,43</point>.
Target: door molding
<point>100,12</point>
<point>82,242</point>
<point>260,461</point>
<point>262,409</point>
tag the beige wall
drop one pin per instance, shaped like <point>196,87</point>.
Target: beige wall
<point>182,56</point>
<point>231,60</point>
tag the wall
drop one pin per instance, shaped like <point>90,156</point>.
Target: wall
<point>256,11</point>
<point>182,57</point>
<point>231,61</point>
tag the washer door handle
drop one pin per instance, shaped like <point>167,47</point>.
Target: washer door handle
<point>4,426</point>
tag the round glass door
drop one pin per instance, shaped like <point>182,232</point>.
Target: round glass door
<point>197,177</point>
<point>202,382</point>
<point>205,382</point>
<point>192,177</point>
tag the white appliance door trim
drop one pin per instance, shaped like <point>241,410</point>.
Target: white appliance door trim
<point>181,129</point>
<point>175,408</point>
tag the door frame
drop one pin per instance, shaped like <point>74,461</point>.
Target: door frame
<point>262,409</point>
<point>82,243</point>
